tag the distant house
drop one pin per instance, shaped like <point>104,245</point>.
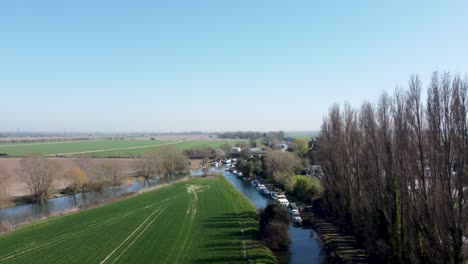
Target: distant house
<point>315,170</point>
<point>236,150</point>
<point>256,152</point>
<point>283,146</point>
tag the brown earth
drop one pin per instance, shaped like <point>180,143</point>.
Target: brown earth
<point>15,187</point>
<point>174,137</point>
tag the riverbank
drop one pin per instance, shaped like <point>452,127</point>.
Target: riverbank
<point>8,225</point>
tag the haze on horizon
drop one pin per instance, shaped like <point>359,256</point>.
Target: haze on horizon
<point>120,66</point>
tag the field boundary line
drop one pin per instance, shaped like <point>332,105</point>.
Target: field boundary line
<point>125,148</point>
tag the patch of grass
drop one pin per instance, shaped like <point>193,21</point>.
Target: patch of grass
<point>204,220</point>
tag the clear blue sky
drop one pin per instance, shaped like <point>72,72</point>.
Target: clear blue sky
<point>122,66</point>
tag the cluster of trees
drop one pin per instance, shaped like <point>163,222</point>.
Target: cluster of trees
<point>205,152</point>
<point>168,161</point>
<point>270,139</point>
<point>397,171</point>
<point>300,146</point>
<point>254,166</point>
<point>273,227</point>
<point>39,173</point>
<point>242,135</point>
<point>280,165</point>
<point>87,176</point>
<point>305,188</point>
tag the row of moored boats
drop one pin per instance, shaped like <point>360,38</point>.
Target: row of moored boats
<point>280,198</point>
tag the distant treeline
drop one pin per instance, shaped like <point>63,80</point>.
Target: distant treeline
<point>397,171</point>
<point>251,135</point>
<point>33,140</point>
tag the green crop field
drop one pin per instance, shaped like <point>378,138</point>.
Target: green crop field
<point>203,220</point>
<point>101,147</point>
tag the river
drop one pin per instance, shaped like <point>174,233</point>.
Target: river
<point>304,247</point>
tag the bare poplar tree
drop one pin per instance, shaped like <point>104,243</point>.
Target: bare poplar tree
<point>397,173</point>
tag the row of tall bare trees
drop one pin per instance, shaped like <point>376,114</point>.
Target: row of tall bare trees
<point>397,171</point>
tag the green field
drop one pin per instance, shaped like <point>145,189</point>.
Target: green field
<point>198,221</point>
<point>101,147</point>
<point>306,135</point>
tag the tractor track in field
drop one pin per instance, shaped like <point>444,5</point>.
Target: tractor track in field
<point>193,213</point>
<point>114,149</point>
<point>65,236</point>
<point>134,232</point>
<point>59,239</point>
<point>140,234</point>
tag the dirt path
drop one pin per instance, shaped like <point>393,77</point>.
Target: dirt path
<point>104,150</point>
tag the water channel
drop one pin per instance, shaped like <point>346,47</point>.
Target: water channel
<point>305,246</point>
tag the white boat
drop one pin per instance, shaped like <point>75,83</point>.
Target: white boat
<point>284,202</point>
<point>277,196</point>
<point>297,220</point>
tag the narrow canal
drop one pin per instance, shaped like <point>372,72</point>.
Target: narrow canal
<point>304,247</point>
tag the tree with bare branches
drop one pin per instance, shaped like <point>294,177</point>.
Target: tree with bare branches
<point>39,174</point>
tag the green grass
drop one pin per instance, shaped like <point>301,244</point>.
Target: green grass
<point>101,147</point>
<point>306,135</point>
<point>213,224</point>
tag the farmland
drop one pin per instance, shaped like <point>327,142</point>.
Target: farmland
<point>101,147</point>
<point>203,220</point>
